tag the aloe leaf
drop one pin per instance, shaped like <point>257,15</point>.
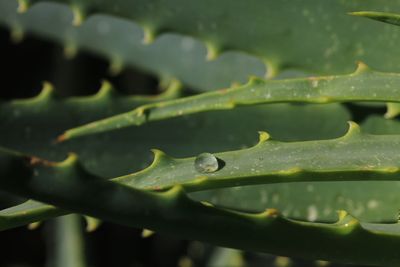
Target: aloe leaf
<point>341,39</point>
<point>391,18</point>
<point>277,162</point>
<point>28,212</point>
<point>25,118</point>
<point>371,201</point>
<point>121,42</point>
<point>362,85</point>
<point>68,185</point>
<point>67,247</point>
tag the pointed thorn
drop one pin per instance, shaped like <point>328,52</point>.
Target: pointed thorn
<point>282,262</point>
<point>61,138</point>
<point>212,51</point>
<point>23,6</point>
<point>393,110</point>
<point>146,233</point>
<point>354,129</point>
<point>34,226</point>
<point>47,89</point>
<point>391,18</point>
<point>321,263</point>
<point>71,159</point>
<point>17,35</point>
<point>356,13</point>
<point>271,69</point>
<point>173,88</point>
<point>149,35</point>
<point>271,213</point>
<point>157,158</point>
<point>176,191</point>
<point>263,137</point>
<point>70,51</point>
<point>106,89</point>
<point>341,215</point>
<point>78,16</point>
<point>207,204</point>
<point>116,66</point>
<point>254,80</point>
<point>158,154</point>
<point>92,224</point>
<point>361,68</point>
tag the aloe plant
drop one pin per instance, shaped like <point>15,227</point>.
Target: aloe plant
<point>320,182</point>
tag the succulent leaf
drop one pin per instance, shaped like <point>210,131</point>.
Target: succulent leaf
<point>391,18</point>
<point>68,185</point>
<point>193,136</point>
<point>171,55</point>
<point>341,39</point>
<point>362,85</point>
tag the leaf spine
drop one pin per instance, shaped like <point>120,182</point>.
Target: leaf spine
<point>392,110</point>
<point>78,15</point>
<point>263,137</point>
<point>354,130</point>
<point>23,6</point>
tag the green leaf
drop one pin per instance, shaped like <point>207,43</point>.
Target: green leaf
<point>181,137</point>
<point>68,185</point>
<point>67,242</point>
<point>120,42</point>
<point>355,156</point>
<point>335,40</point>
<point>362,85</point>
<point>28,212</point>
<point>386,17</point>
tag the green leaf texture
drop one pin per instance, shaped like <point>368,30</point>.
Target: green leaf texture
<point>362,85</point>
<point>68,185</point>
<point>334,40</point>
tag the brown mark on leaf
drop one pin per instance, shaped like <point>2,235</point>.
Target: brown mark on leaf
<point>34,161</point>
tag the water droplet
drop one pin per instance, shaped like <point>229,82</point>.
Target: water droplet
<point>206,163</point>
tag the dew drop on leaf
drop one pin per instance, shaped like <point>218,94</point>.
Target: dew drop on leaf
<point>206,163</point>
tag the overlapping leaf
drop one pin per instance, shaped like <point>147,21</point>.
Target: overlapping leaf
<point>68,185</point>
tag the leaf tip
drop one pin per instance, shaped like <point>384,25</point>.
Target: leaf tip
<point>353,130</point>
<point>34,225</point>
<point>72,159</point>
<point>78,15</point>
<point>92,224</point>
<point>342,214</point>
<point>347,221</point>
<point>106,89</point>
<point>116,66</point>
<point>61,138</point>
<point>149,35</point>
<point>271,213</point>
<point>146,233</point>
<point>17,34</point>
<point>47,90</point>
<point>272,69</point>
<point>207,204</point>
<point>213,51</point>
<point>392,110</point>
<point>390,18</point>
<point>362,68</point>
<point>23,6</point>
<point>70,50</point>
<point>263,137</point>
